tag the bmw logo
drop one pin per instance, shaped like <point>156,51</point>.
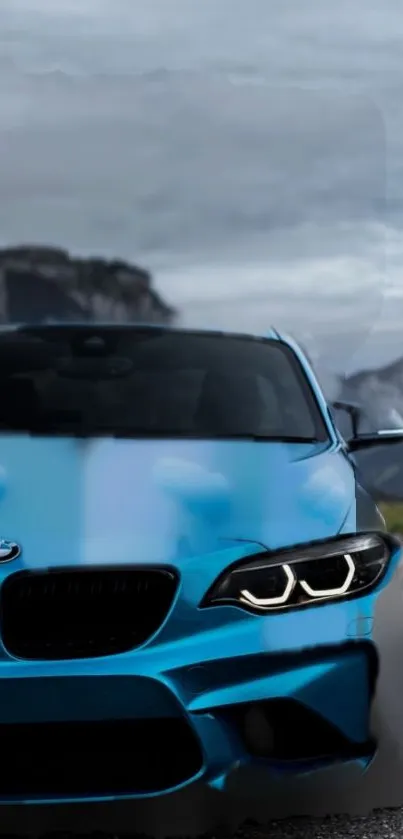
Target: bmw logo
<point>8,550</point>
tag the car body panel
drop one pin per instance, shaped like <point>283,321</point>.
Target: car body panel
<point>91,497</point>
<point>198,507</point>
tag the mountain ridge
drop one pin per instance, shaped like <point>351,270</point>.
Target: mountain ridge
<point>42,283</point>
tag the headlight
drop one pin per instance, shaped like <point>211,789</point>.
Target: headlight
<point>313,573</point>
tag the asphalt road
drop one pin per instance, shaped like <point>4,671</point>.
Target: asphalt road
<point>358,804</point>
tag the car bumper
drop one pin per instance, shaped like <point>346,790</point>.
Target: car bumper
<point>150,722</point>
<point>216,688</point>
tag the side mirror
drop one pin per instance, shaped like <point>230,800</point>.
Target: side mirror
<point>353,411</point>
<point>377,455</point>
<point>365,440</point>
<point>379,459</point>
<point>378,438</point>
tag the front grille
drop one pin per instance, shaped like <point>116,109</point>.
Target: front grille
<point>74,760</point>
<point>83,613</point>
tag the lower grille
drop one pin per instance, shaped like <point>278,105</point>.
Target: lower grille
<point>77,760</point>
<point>83,613</point>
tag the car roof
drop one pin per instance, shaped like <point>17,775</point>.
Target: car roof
<point>271,333</point>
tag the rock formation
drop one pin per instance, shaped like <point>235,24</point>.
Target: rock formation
<point>44,284</point>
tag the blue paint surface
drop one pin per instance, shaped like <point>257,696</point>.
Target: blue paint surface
<point>197,507</point>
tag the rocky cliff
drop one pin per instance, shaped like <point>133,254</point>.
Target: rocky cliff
<point>42,284</point>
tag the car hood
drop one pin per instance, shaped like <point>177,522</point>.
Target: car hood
<point>75,501</point>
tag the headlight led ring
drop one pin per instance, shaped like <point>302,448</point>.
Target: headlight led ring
<point>332,592</point>
<point>273,601</point>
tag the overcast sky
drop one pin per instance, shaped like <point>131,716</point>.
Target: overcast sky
<point>250,152</point>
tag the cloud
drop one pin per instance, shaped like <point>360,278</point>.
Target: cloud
<point>239,151</point>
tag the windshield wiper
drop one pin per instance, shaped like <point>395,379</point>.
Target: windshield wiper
<point>168,434</point>
<point>53,427</point>
<point>284,438</point>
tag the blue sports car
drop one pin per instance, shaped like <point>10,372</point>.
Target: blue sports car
<point>188,563</point>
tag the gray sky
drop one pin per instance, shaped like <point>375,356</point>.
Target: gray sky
<point>249,153</point>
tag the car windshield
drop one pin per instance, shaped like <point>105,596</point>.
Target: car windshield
<point>145,382</point>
